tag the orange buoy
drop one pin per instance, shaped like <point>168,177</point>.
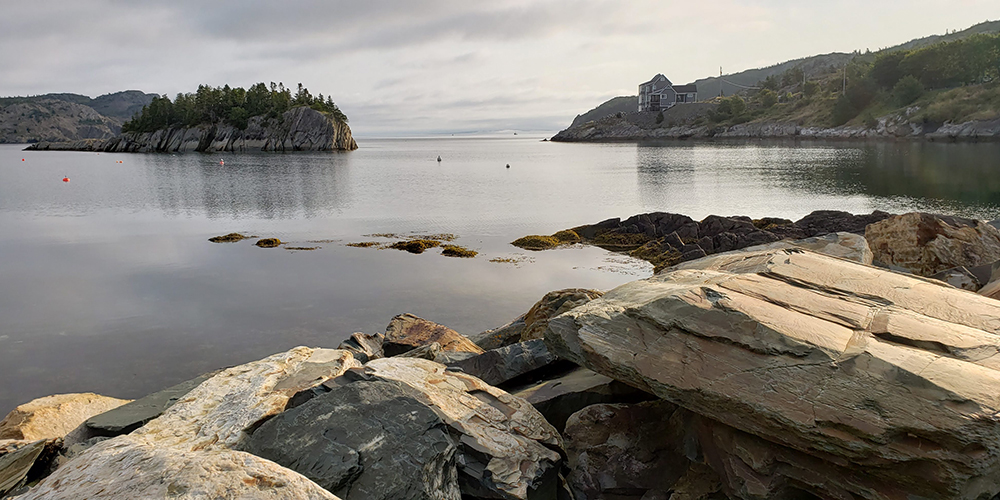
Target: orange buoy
<point>222,162</point>
<point>65,179</point>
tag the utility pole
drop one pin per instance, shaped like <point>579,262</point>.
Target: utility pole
<point>722,92</point>
<point>845,78</point>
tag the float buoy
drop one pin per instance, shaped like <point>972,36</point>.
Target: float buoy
<point>65,179</point>
<point>508,165</point>
<point>22,159</point>
<point>439,159</point>
<point>222,162</point>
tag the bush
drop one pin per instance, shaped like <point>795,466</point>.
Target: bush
<point>811,89</point>
<point>767,98</point>
<point>659,118</point>
<point>843,111</point>
<point>907,90</point>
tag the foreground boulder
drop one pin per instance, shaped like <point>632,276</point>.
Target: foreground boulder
<point>54,416</point>
<point>536,321</point>
<point>15,465</point>
<point>498,366</point>
<point>629,451</point>
<point>506,448</point>
<point>365,440</point>
<point>136,467</point>
<point>501,336</point>
<point>888,381</point>
<point>928,244</point>
<point>407,332</point>
<point>364,347</point>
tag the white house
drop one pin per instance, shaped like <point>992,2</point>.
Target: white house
<point>658,94</point>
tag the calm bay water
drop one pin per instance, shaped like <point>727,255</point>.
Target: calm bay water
<point>108,283</point>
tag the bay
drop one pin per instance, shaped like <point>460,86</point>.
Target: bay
<point>108,283</point>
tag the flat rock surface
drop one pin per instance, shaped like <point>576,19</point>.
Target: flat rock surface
<point>131,416</point>
<point>407,332</point>
<point>927,244</point>
<point>54,416</point>
<point>365,440</point>
<point>846,363</point>
<point>135,467</point>
<point>217,413</point>
<point>506,450</point>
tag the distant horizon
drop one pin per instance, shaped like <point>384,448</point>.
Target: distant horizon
<point>434,67</point>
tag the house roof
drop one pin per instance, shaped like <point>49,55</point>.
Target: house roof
<point>686,89</point>
<point>658,76</point>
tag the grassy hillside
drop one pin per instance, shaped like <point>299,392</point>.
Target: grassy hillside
<point>67,117</point>
<point>621,104</point>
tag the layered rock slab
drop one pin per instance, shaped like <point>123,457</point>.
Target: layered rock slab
<point>891,376</point>
<point>927,244</point>
<point>365,440</point>
<point>407,332</point>
<point>506,448</point>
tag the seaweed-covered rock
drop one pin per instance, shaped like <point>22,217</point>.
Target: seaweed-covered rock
<point>407,332</point>
<point>927,244</point>
<point>506,448</point>
<point>865,371</point>
<point>365,440</point>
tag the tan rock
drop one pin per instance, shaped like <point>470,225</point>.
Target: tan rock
<point>891,376</point>
<point>217,413</point>
<point>505,444</point>
<point>138,467</point>
<point>848,246</point>
<point>407,332</point>
<point>927,244</point>
<point>551,305</point>
<point>54,416</point>
<point>992,290</point>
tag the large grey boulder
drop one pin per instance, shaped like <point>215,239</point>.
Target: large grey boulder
<point>927,244</point>
<point>365,440</point>
<point>559,397</point>
<point>497,366</point>
<point>887,381</point>
<point>506,448</point>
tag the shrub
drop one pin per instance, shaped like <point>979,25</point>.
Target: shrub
<point>767,98</point>
<point>811,89</point>
<point>907,90</point>
<point>659,118</point>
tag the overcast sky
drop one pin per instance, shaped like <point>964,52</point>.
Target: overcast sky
<point>412,67</point>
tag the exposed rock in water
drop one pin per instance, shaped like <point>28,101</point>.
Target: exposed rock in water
<point>927,244</point>
<point>268,242</point>
<point>228,238</point>
<point>506,448</point>
<point>407,332</point>
<point>552,304</point>
<point>864,371</point>
<point>54,416</point>
<point>540,242</point>
<point>365,440</point>
<point>666,239</point>
<point>415,245</point>
<point>137,467</point>
<point>558,398</point>
<point>457,251</point>
<point>298,129</point>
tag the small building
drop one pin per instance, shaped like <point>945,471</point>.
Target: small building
<point>659,94</point>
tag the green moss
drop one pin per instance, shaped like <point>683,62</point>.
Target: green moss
<point>457,251</point>
<point>654,253</point>
<point>363,244</point>
<point>567,236</point>
<point>415,246</point>
<point>268,242</point>
<point>536,242</point>
<point>228,238</point>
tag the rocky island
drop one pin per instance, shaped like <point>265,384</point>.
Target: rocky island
<point>227,120</point>
<point>763,367</point>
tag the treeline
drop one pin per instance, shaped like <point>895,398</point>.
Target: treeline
<point>899,78</point>
<point>234,106</point>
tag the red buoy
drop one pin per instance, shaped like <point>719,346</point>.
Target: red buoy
<point>22,159</point>
<point>65,179</point>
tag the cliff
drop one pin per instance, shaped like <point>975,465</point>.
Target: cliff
<point>298,129</point>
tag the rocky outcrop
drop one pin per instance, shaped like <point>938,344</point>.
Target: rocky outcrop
<point>501,336</point>
<point>506,448</point>
<point>536,321</point>
<point>365,440</point>
<point>927,244</point>
<point>884,381</point>
<point>298,129</point>
<point>363,346</point>
<point>136,467</point>
<point>501,365</point>
<point>625,451</point>
<point>15,466</point>
<point>407,332</point>
<point>54,416</point>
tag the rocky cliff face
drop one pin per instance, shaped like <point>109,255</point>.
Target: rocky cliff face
<point>298,129</point>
